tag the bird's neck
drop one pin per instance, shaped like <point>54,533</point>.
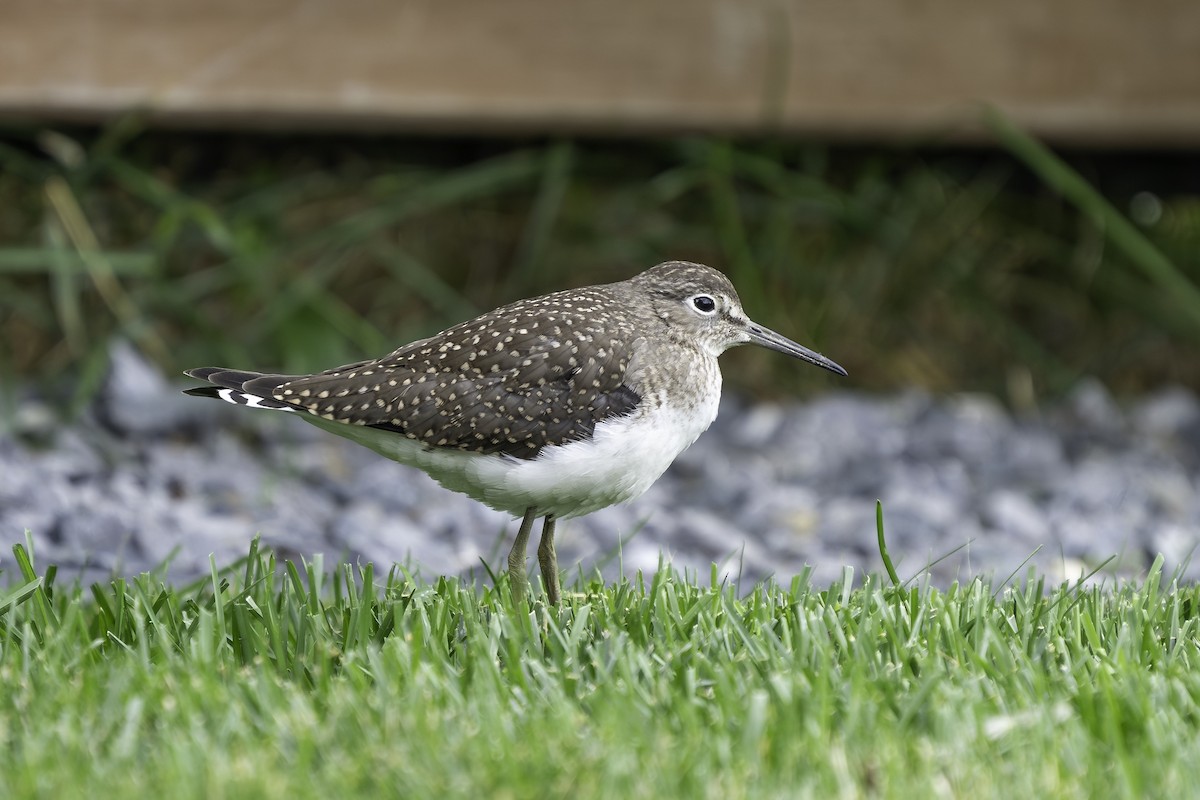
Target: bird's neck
<point>681,375</point>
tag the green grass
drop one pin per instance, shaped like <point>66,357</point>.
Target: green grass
<point>263,682</point>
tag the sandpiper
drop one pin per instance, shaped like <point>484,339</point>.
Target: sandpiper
<point>552,407</point>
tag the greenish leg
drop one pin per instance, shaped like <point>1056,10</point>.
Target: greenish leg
<point>516,557</point>
<point>548,560</point>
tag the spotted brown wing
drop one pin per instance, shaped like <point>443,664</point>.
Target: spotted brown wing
<point>528,375</point>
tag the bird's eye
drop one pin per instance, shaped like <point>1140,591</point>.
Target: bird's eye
<point>704,304</point>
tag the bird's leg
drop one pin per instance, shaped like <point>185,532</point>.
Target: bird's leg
<point>548,560</point>
<point>516,556</point>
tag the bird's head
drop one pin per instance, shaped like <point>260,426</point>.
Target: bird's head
<point>699,304</point>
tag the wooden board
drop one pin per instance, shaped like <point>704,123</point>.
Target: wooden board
<point>1081,71</point>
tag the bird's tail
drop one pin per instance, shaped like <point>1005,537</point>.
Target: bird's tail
<point>242,388</point>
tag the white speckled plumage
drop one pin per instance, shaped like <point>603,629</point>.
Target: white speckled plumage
<point>555,406</point>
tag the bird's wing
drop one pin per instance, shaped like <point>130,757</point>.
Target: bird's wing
<point>511,384</point>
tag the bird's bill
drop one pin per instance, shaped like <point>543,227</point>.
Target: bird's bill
<point>774,341</point>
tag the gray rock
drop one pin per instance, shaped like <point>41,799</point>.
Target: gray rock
<point>137,399</point>
<point>1093,405</point>
<point>1015,514</point>
<point>34,420</point>
<point>780,490</point>
<point>1167,414</point>
<point>1179,545</point>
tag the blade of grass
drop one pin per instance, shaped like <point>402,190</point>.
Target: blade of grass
<point>883,551</point>
<point>556,177</point>
<point>1119,230</point>
<point>83,238</point>
<point>39,260</point>
<point>17,596</point>
<point>412,273</point>
<point>66,289</point>
<point>481,179</point>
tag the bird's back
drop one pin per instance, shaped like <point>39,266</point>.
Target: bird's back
<point>534,373</point>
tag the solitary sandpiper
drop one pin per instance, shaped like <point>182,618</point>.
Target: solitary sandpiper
<point>550,407</point>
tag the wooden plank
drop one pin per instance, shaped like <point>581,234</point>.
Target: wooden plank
<point>1081,71</point>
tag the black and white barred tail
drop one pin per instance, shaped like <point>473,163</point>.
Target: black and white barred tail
<point>240,387</point>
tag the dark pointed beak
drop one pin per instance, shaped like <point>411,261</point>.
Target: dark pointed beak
<point>774,341</point>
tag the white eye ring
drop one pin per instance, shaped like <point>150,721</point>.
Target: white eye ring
<point>704,304</point>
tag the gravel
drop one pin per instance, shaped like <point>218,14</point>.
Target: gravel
<point>150,479</point>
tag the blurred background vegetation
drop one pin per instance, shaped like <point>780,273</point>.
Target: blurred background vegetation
<point>1003,270</point>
